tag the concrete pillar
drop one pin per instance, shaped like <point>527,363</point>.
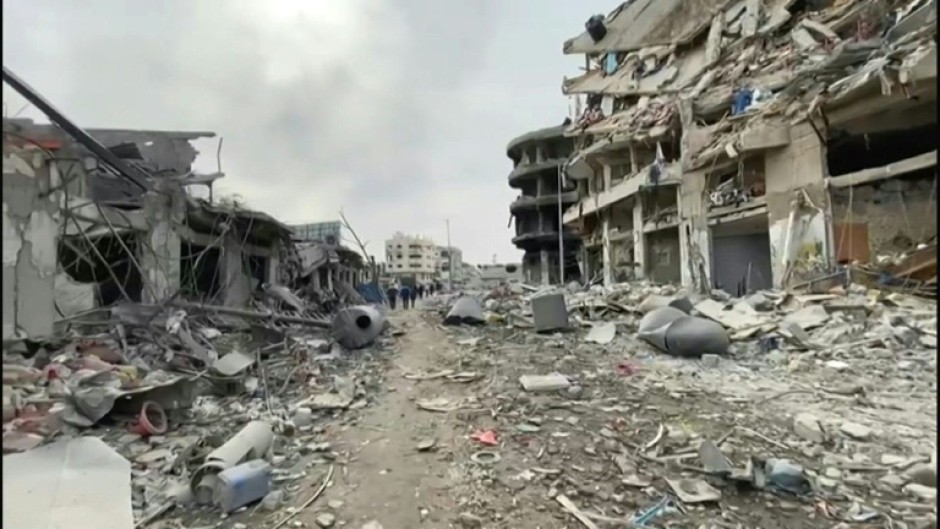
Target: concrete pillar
<point>608,266</point>
<point>160,252</point>
<point>544,268</point>
<point>236,282</point>
<point>608,176</point>
<point>797,208</point>
<point>694,234</point>
<point>639,238</point>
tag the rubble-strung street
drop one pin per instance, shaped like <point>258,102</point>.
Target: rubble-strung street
<point>723,312</point>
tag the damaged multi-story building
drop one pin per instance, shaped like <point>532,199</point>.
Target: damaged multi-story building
<point>537,159</point>
<point>94,217</point>
<point>751,144</point>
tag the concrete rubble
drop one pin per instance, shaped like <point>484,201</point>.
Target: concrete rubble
<point>183,356</point>
<point>766,428</point>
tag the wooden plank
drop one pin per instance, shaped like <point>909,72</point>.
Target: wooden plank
<point>874,174</point>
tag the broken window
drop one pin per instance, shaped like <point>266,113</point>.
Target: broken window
<point>101,257</point>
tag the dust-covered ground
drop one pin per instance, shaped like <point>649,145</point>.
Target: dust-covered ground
<point>627,433</point>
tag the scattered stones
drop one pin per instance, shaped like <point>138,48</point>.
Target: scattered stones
<point>922,492</point>
<point>923,474</point>
<point>469,521</point>
<point>808,426</point>
<point>425,445</point>
<point>711,361</point>
<point>326,520</point>
<point>855,431</point>
<point>273,500</point>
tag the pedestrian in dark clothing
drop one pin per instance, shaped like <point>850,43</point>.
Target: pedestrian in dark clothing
<point>420,291</point>
<point>405,294</point>
<point>414,296</point>
<point>431,289</point>
<point>392,294</point>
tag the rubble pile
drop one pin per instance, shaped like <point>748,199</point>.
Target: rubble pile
<point>197,415</point>
<point>822,413</point>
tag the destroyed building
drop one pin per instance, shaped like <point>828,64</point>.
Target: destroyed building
<point>96,217</point>
<point>537,159</point>
<point>753,144</point>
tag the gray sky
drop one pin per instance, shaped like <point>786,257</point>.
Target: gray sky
<point>396,111</point>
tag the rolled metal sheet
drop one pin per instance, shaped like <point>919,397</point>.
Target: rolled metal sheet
<point>692,336</point>
<point>672,331</point>
<point>466,310</point>
<point>358,326</point>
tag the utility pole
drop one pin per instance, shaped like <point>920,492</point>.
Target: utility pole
<point>561,226</point>
<point>450,259</point>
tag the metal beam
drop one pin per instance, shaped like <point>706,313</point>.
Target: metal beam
<point>128,171</point>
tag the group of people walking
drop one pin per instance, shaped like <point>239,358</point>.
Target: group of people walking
<point>407,294</point>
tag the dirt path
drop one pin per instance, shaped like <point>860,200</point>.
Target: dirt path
<point>384,476</point>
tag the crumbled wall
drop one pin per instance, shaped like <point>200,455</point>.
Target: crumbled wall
<point>898,212</point>
<point>799,242</point>
<point>30,223</point>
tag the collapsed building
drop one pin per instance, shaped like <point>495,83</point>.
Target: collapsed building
<point>537,158</point>
<point>755,144</point>
<point>96,217</point>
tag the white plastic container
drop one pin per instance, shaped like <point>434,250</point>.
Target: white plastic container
<point>243,484</point>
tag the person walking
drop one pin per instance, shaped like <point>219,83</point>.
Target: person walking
<point>430,289</point>
<point>392,295</point>
<point>405,294</point>
<point>414,296</point>
<point>420,291</point>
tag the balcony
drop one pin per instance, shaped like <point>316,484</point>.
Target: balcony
<point>532,170</point>
<point>544,201</point>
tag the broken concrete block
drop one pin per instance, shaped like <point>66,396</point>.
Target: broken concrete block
<point>923,474</point>
<point>711,361</point>
<point>855,430</point>
<point>807,426</point>
<point>536,383</point>
<point>920,491</point>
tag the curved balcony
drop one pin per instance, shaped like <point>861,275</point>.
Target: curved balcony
<point>548,168</point>
<point>529,203</point>
<point>536,239</point>
<point>535,136</point>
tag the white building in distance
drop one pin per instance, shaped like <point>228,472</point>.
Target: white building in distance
<point>450,257</point>
<point>412,255</point>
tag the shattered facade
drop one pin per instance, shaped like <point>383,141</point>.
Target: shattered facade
<point>768,145</point>
<point>537,159</point>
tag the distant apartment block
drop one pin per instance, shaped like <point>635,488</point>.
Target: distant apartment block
<point>411,255</point>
